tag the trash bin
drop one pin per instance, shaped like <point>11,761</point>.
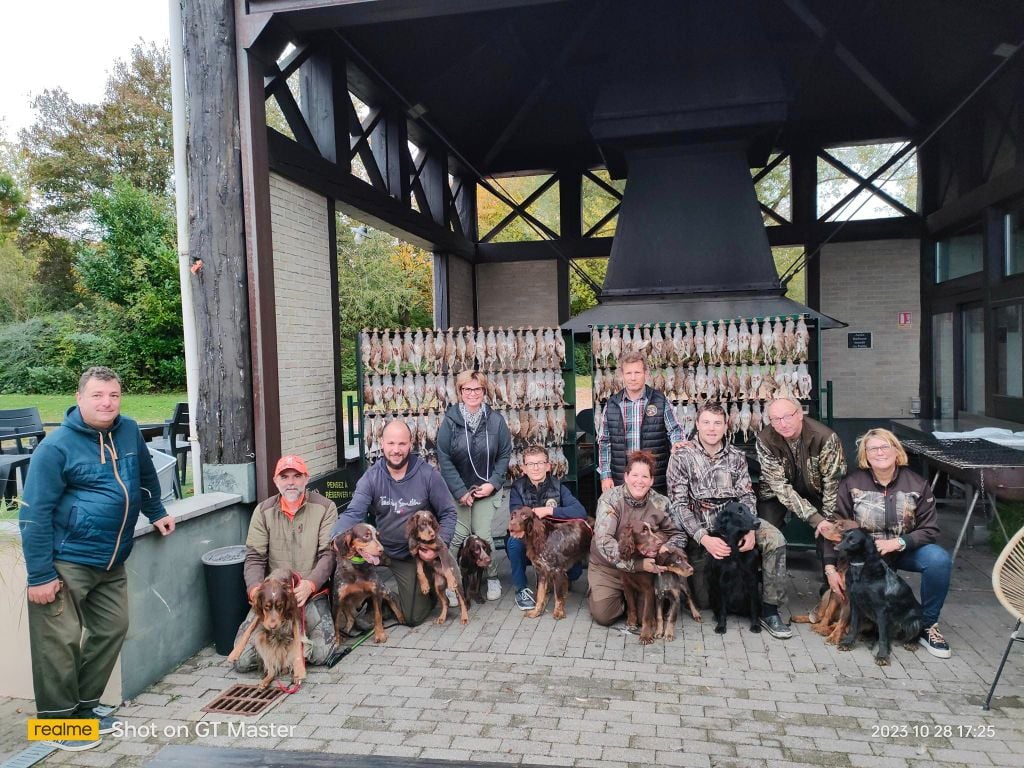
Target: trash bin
<point>225,586</point>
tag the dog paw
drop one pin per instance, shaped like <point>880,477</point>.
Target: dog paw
<point>464,620</point>
<point>844,647</point>
<point>658,635</point>
<point>882,661</point>
<point>670,636</point>
<point>911,646</point>
<point>440,620</point>
<point>381,637</point>
<point>698,618</point>
<point>558,613</point>
<point>233,657</point>
<point>533,614</point>
<point>755,628</point>
<point>646,639</point>
<point>720,629</point>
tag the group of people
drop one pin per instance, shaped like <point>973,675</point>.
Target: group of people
<point>91,478</point>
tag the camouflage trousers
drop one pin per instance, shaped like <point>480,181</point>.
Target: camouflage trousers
<point>319,631</point>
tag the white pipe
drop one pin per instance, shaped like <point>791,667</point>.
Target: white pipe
<point>180,127</point>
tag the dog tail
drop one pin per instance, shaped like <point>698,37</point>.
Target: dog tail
<point>910,628</point>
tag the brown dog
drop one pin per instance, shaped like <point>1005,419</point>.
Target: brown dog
<point>638,542</point>
<point>276,630</point>
<point>831,617</point>
<point>553,547</point>
<point>433,556</point>
<point>474,560</point>
<point>672,587</point>
<point>357,553</point>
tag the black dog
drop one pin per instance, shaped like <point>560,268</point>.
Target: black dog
<point>474,559</point>
<point>876,592</point>
<point>734,582</point>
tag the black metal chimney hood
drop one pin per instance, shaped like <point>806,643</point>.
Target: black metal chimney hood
<point>678,118</point>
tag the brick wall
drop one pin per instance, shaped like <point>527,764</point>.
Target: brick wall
<point>866,285</point>
<point>518,293</point>
<point>460,292</point>
<point>305,340</point>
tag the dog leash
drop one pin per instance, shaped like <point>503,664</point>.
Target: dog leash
<point>296,581</point>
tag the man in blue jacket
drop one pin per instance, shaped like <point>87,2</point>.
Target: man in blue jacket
<point>87,483</point>
<point>398,485</point>
<point>547,497</point>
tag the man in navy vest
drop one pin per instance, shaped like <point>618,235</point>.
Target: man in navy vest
<point>638,418</point>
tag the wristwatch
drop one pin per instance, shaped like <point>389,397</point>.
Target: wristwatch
<point>903,543</point>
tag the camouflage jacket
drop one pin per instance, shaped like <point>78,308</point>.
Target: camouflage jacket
<point>805,483</point>
<point>903,508</point>
<point>613,511</point>
<point>698,483</point>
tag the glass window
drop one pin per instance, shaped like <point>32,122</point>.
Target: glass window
<point>1015,242</point>
<point>974,359</point>
<point>841,168</point>
<point>958,255</point>
<point>942,365</point>
<point>1009,323</point>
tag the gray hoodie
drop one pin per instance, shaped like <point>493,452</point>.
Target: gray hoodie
<point>391,502</point>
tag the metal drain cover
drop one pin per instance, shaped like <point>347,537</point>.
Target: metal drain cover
<point>244,700</point>
<point>28,757</point>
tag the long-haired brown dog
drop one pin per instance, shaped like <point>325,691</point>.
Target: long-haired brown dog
<point>357,553</point>
<point>474,560</point>
<point>434,558</point>
<point>831,617</point>
<point>553,548</point>
<point>276,630</point>
<point>672,588</point>
<point>638,542</point>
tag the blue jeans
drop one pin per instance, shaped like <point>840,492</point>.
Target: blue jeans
<point>516,551</point>
<point>935,566</point>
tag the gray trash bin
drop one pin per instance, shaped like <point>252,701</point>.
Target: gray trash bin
<point>225,587</point>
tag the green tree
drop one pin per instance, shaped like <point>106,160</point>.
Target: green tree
<point>133,275</point>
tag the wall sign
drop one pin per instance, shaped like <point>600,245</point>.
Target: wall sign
<point>906,319</point>
<point>858,340</point>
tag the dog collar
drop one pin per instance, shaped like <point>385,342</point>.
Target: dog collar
<point>357,560</point>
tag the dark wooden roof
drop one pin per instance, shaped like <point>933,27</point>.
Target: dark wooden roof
<point>846,71</point>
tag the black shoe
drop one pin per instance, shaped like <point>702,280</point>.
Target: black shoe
<point>776,627</point>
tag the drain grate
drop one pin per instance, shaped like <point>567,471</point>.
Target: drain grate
<point>28,757</point>
<point>244,700</point>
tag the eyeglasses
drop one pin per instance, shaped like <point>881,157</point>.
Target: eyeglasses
<point>787,418</point>
<point>535,464</point>
<point>878,448</point>
<point>472,390</point>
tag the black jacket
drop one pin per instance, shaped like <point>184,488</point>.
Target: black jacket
<point>653,436</point>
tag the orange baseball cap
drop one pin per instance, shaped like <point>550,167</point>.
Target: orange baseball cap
<point>291,462</point>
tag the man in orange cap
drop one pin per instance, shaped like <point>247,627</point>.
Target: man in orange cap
<point>292,530</point>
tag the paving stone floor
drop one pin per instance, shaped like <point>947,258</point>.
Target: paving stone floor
<point>538,692</point>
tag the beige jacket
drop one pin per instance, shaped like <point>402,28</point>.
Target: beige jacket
<point>302,544</point>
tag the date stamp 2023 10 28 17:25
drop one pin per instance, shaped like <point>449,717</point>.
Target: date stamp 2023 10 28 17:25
<point>934,730</point>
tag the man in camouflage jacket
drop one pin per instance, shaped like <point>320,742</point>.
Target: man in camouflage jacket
<point>802,463</point>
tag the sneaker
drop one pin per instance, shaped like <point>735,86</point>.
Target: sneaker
<point>67,745</point>
<point>776,627</point>
<point>933,642</point>
<point>107,722</point>
<point>493,589</point>
<point>453,599</point>
<point>525,600</point>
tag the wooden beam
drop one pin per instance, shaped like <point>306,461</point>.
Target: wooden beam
<point>323,89</point>
<point>224,417</point>
<point>970,205</point>
<point>318,13</point>
<point>544,250</point>
<point>360,200</point>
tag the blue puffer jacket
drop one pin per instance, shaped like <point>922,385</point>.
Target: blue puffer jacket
<point>84,492</point>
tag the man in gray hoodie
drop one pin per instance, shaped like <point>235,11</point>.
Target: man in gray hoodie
<point>393,489</point>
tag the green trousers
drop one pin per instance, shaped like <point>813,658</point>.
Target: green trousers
<point>76,639</point>
<point>415,605</point>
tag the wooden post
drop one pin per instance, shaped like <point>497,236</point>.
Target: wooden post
<point>217,238</point>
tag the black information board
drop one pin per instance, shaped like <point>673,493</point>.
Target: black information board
<point>858,340</point>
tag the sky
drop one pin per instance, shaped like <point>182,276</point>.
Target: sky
<point>70,44</point>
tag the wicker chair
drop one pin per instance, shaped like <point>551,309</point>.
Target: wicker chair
<point>1008,583</point>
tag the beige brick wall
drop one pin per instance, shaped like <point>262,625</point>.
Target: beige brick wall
<point>518,293</point>
<point>305,339</point>
<point>460,292</point>
<point>867,285</point>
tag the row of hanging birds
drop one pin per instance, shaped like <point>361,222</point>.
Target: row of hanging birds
<point>459,349</point>
<point>388,392</point>
<point>559,463</point>
<point>724,343</point>
<point>744,420</point>
<point>528,426</point>
<point>701,383</point>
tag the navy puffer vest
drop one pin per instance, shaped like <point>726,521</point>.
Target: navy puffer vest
<point>550,489</point>
<point>653,437</point>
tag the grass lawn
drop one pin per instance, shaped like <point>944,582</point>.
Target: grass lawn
<point>145,409</point>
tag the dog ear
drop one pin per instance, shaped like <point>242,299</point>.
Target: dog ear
<point>343,543</point>
<point>485,545</point>
<point>627,543</point>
